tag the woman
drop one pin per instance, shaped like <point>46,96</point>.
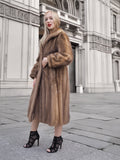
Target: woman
<point>49,102</point>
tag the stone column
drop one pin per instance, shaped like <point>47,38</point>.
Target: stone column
<point>119,69</point>
<point>80,69</point>
<point>98,61</point>
<point>118,23</point>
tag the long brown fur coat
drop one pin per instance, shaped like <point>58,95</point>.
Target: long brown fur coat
<point>49,101</point>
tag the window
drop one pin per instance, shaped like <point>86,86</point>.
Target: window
<point>116,70</point>
<point>114,22</point>
<point>65,5</point>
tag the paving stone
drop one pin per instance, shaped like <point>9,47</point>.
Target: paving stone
<point>88,141</point>
<point>100,123</point>
<point>112,133</point>
<point>14,126</point>
<point>91,123</point>
<point>4,121</point>
<point>114,149</point>
<point>76,116</point>
<point>94,125</point>
<point>101,117</point>
<point>95,136</point>
<point>100,155</point>
<point>13,147</point>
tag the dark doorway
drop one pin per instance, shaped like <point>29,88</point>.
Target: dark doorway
<point>72,72</point>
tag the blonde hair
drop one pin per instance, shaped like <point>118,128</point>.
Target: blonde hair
<point>56,20</point>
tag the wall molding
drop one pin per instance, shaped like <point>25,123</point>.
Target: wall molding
<point>17,14</point>
<point>98,43</point>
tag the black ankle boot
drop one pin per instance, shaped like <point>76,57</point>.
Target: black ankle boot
<point>32,138</point>
<point>56,144</point>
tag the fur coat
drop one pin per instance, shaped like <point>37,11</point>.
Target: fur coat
<point>49,101</point>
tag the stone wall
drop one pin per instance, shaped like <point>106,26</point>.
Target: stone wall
<point>97,43</point>
<point>19,30</point>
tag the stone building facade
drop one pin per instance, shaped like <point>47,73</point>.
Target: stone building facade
<point>93,29</point>
<point>102,32</point>
<point>19,33</point>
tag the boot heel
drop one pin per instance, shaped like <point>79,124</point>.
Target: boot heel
<point>37,142</point>
<point>61,146</point>
<point>56,144</point>
<point>32,138</point>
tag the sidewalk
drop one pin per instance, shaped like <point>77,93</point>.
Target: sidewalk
<point>92,134</point>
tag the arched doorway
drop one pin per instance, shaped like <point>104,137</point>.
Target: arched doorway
<point>116,65</point>
<point>116,70</point>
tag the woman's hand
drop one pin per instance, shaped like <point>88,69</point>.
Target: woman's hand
<point>44,62</point>
<point>34,81</point>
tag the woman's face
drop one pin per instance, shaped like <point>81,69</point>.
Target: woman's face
<point>49,22</point>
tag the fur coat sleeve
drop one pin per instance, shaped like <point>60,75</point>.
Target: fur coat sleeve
<point>34,71</point>
<point>64,55</point>
<point>35,68</point>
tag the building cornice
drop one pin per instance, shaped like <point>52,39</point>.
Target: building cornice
<point>115,6</point>
<point>116,2</point>
<point>97,42</point>
<point>19,14</point>
<point>111,3</point>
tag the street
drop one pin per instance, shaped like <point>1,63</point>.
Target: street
<point>92,134</point>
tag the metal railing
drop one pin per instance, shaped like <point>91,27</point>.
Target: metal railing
<point>64,16</point>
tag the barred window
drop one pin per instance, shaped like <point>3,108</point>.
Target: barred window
<point>114,22</point>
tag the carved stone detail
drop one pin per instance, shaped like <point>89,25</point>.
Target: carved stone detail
<point>65,4</point>
<point>17,14</point>
<point>77,4</point>
<point>99,43</point>
<point>34,19</point>
<point>115,44</point>
<point>116,54</point>
<point>1,8</point>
